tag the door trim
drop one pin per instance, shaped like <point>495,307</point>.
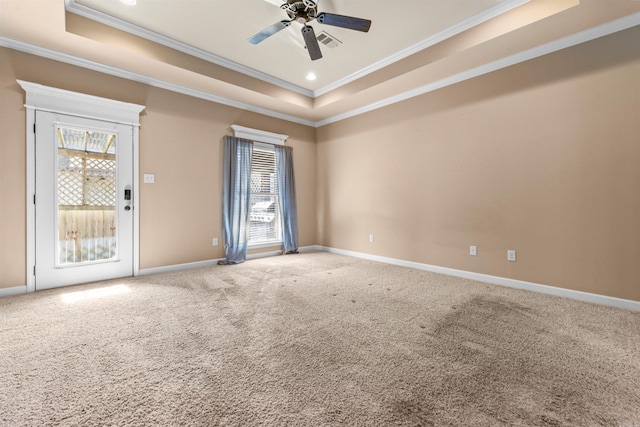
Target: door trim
<point>45,98</point>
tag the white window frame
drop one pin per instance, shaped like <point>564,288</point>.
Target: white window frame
<point>262,140</point>
<point>268,148</point>
<point>259,135</point>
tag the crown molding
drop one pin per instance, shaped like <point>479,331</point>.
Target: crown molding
<point>140,78</point>
<point>120,24</point>
<point>617,25</point>
<point>606,29</point>
<point>460,27</point>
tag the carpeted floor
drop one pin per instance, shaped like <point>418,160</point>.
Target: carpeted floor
<point>312,340</point>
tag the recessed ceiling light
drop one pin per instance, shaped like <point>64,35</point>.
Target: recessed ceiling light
<point>129,2</point>
<point>311,76</point>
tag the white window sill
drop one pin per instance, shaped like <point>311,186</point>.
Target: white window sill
<point>269,244</point>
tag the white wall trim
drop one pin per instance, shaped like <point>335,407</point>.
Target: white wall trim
<point>178,267</point>
<point>140,78</point>
<point>264,254</point>
<point>50,99</point>
<point>200,264</point>
<point>485,278</point>
<point>496,280</point>
<point>120,24</point>
<point>16,290</point>
<point>271,244</point>
<point>136,200</point>
<point>311,248</point>
<point>617,25</point>
<point>31,207</point>
<point>212,262</point>
<point>258,135</point>
<point>464,25</point>
<point>45,98</point>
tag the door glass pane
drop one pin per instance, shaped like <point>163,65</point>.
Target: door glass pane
<point>87,219</point>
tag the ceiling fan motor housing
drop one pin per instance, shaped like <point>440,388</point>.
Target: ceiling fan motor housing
<point>301,11</point>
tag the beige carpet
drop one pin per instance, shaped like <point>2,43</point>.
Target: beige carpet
<point>313,340</point>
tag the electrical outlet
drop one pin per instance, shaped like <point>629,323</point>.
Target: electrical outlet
<point>473,250</point>
<point>149,178</point>
<point>215,241</point>
<point>370,238</point>
<point>511,255</point>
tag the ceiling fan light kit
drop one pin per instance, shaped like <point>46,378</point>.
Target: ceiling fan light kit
<point>304,11</point>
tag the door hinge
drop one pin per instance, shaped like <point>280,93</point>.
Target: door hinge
<point>34,128</point>
<point>34,199</point>
<point>34,270</point>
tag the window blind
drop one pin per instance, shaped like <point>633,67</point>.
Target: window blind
<point>264,215</point>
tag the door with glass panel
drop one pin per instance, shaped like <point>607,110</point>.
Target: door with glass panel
<point>84,200</point>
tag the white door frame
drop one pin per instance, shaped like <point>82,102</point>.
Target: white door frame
<point>45,98</point>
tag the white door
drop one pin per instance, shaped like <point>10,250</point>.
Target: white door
<point>83,200</point>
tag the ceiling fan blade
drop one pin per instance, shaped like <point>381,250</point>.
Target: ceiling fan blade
<point>312,43</point>
<point>268,32</point>
<point>349,22</point>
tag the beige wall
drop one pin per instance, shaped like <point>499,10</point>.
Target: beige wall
<point>542,158</point>
<point>180,142</point>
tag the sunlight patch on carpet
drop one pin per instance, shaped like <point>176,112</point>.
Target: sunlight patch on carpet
<point>108,291</point>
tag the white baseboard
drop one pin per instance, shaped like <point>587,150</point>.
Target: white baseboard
<point>496,280</point>
<point>16,290</point>
<point>211,262</point>
<point>177,267</point>
<point>264,254</point>
<point>312,248</point>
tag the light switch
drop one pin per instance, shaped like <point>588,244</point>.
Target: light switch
<point>149,178</point>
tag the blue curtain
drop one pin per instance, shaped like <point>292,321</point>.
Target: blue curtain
<point>236,194</point>
<point>287,186</point>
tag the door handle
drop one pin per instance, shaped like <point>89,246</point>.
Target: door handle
<point>127,198</point>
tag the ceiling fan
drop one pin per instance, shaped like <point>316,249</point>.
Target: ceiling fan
<point>303,11</point>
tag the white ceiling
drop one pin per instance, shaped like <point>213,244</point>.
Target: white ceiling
<point>199,47</point>
<point>222,28</point>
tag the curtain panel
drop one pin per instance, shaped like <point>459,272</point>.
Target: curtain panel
<point>236,196</point>
<point>288,208</point>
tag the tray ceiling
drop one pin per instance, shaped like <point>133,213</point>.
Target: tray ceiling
<point>200,48</point>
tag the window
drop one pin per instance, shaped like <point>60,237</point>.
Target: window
<point>86,190</point>
<point>264,212</point>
